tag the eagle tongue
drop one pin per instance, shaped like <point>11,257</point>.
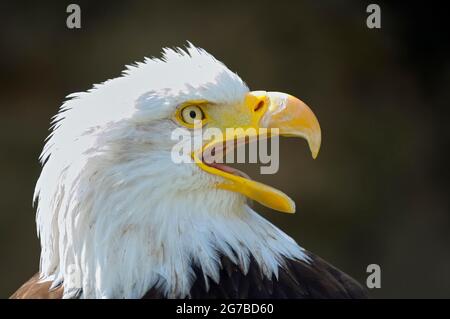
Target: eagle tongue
<point>229,169</point>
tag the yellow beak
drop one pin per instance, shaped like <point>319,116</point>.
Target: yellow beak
<point>264,111</point>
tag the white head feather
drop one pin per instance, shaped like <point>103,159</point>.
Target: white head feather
<point>116,216</point>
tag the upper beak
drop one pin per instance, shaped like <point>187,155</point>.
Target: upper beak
<point>282,114</point>
<point>292,117</point>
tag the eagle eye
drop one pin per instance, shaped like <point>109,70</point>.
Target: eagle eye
<point>192,113</point>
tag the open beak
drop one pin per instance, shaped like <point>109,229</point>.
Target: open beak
<point>273,112</point>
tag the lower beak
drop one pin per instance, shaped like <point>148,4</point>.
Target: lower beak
<point>284,115</point>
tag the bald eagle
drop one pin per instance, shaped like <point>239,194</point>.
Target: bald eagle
<point>118,218</point>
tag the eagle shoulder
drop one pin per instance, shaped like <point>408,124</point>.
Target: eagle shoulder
<point>296,279</point>
<point>316,279</point>
<point>37,289</point>
<point>319,279</point>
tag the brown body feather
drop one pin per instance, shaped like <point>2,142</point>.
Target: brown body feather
<point>34,289</point>
<point>296,279</point>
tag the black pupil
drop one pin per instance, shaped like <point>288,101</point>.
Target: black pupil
<point>193,114</point>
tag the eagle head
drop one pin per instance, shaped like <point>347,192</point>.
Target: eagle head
<point>117,214</point>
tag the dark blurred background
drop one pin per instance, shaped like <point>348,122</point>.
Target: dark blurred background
<point>378,192</point>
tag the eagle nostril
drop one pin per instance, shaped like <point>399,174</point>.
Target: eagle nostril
<point>259,106</point>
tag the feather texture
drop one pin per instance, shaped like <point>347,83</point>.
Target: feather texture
<point>297,280</point>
